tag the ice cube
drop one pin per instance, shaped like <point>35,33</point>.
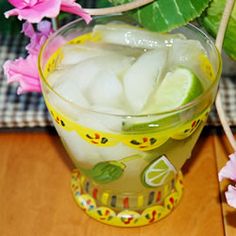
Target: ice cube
<point>183,51</point>
<point>54,76</point>
<point>65,108</point>
<point>106,90</point>
<point>72,54</point>
<point>82,152</point>
<point>124,34</point>
<point>72,93</point>
<point>64,83</point>
<point>143,76</point>
<point>112,118</point>
<point>123,110</point>
<point>93,121</point>
<point>81,74</point>
<point>100,122</point>
<point>75,53</point>
<point>187,53</point>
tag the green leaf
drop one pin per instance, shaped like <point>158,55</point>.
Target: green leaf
<point>165,15</point>
<point>211,21</point>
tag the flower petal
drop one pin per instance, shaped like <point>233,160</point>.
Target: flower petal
<point>45,27</point>
<point>229,170</point>
<point>231,196</point>
<point>28,29</point>
<point>35,13</point>
<point>19,4</point>
<point>71,6</point>
<point>25,72</point>
<point>13,12</point>
<point>36,42</point>
<point>38,38</point>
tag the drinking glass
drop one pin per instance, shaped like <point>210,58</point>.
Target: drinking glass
<point>127,167</point>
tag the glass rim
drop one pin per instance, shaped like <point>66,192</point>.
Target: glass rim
<point>184,107</point>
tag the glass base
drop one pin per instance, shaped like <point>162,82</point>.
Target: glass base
<point>126,218</point>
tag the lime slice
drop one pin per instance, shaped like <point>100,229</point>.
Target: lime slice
<point>158,172</point>
<point>177,88</point>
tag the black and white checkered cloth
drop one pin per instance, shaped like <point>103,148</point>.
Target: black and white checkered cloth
<point>29,110</point>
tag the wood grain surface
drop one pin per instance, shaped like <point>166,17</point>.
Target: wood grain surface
<point>35,196</point>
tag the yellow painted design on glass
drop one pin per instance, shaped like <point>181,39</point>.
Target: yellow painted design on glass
<point>82,180</point>
<point>190,127</point>
<point>138,141</point>
<point>104,198</point>
<point>53,62</point>
<point>145,142</point>
<point>103,214</point>
<point>140,201</point>
<point>127,218</point>
<point>85,201</point>
<point>207,67</point>
<point>90,37</point>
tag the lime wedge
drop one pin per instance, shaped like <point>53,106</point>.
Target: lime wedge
<point>177,88</point>
<point>158,172</point>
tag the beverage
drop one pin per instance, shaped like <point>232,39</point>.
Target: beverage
<point>129,106</point>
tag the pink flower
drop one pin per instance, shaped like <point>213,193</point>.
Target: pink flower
<point>37,39</point>
<point>231,196</point>
<point>34,10</point>
<point>229,170</point>
<point>25,72</point>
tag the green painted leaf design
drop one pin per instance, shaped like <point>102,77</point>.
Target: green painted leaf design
<point>165,15</point>
<point>106,172</point>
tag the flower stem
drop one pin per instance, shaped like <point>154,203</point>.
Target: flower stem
<point>55,24</point>
<point>117,9</point>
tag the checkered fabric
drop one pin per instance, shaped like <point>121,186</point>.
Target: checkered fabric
<point>29,110</point>
<point>227,91</point>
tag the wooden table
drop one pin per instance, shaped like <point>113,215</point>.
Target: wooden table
<point>35,196</point>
